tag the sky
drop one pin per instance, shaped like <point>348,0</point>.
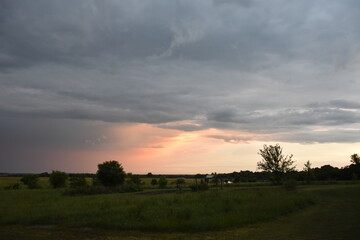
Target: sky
<point>177,86</point>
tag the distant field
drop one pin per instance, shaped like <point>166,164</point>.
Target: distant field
<point>44,183</point>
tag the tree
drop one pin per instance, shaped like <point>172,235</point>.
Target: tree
<point>162,182</point>
<point>275,162</point>
<point>111,173</point>
<point>309,173</point>
<point>58,179</point>
<point>355,159</point>
<point>30,180</point>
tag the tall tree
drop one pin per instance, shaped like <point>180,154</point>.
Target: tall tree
<point>111,173</point>
<point>275,162</point>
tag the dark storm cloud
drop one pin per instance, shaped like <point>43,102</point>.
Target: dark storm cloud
<point>261,66</point>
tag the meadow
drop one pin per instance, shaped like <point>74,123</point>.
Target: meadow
<point>255,212</point>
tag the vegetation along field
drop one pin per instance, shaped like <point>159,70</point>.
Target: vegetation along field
<point>311,212</point>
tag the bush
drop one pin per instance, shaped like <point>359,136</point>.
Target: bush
<point>154,182</point>
<point>58,179</point>
<point>202,186</point>
<point>78,181</point>
<point>134,183</point>
<point>162,182</point>
<point>31,181</point>
<point>110,173</point>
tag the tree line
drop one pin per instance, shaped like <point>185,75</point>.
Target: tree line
<point>276,167</point>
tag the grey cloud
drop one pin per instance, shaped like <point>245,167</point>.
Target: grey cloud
<point>231,139</point>
<point>285,120</point>
<point>84,33</point>
<point>183,127</point>
<point>280,66</point>
<point>339,136</point>
<point>338,103</point>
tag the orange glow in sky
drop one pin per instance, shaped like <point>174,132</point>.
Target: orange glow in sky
<point>143,148</point>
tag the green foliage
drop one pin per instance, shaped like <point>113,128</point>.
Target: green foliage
<point>31,180</point>
<point>275,162</point>
<point>179,184</point>
<point>58,179</point>
<point>162,182</point>
<point>111,173</point>
<point>133,184</point>
<point>154,182</point>
<point>165,212</point>
<point>202,186</point>
<point>78,181</point>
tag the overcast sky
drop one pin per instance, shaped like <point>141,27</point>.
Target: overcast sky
<point>177,86</point>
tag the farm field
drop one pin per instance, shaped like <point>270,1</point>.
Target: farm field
<point>311,212</point>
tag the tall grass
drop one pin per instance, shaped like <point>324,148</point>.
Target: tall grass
<point>167,212</point>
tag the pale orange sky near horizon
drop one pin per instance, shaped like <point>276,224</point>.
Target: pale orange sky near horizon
<point>166,151</point>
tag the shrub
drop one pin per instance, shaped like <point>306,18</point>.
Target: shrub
<point>78,181</point>
<point>133,184</point>
<point>110,173</point>
<point>31,181</point>
<point>58,179</point>
<point>154,182</point>
<point>202,186</point>
<point>162,182</point>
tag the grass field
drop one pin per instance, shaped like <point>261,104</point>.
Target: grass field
<point>313,212</point>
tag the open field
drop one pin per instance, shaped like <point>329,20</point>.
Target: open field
<point>312,212</point>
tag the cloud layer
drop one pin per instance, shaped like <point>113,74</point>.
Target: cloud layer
<point>283,70</point>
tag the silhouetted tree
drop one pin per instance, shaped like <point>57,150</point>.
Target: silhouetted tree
<point>326,172</point>
<point>110,173</point>
<point>58,179</point>
<point>275,162</point>
<point>355,159</point>
<point>309,173</point>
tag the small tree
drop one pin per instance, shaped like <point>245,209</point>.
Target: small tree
<point>309,173</point>
<point>179,183</point>
<point>162,182</point>
<point>30,180</point>
<point>111,173</point>
<point>58,179</point>
<point>275,162</point>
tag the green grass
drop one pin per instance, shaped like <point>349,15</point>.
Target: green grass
<point>167,212</point>
<point>334,216</point>
<point>247,213</point>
